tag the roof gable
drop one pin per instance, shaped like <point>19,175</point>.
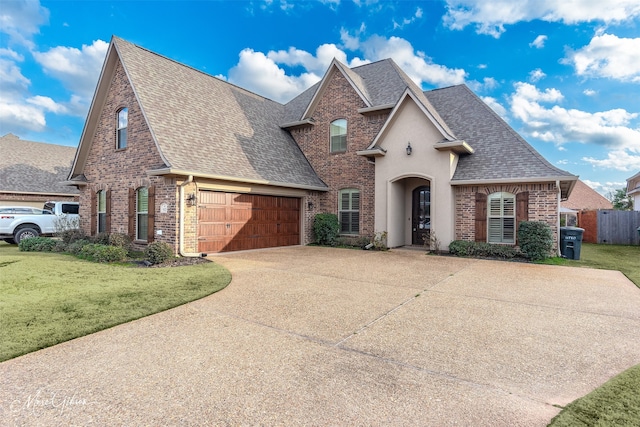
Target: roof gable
<point>205,126</point>
<point>584,197</point>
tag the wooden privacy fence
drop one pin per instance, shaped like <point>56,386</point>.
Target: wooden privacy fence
<point>610,226</point>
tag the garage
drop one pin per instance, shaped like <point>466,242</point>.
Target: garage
<point>235,222</point>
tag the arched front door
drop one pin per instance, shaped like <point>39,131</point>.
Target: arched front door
<point>421,215</point>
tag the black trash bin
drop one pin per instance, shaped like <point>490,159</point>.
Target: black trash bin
<point>571,242</point>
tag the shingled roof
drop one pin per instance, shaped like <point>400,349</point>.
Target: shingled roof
<point>500,152</point>
<point>205,126</point>
<point>584,197</point>
<point>34,167</point>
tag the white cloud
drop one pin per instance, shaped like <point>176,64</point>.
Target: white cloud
<point>490,17</point>
<point>16,115</point>
<point>21,19</point>
<point>257,72</point>
<point>608,56</point>
<point>11,78</point>
<point>495,106</point>
<point>605,188</point>
<point>538,43</point>
<point>559,125</point>
<point>622,160</point>
<point>416,64</point>
<point>77,69</point>
<point>47,104</point>
<point>589,92</point>
<point>536,75</point>
<point>262,73</point>
<point>406,21</point>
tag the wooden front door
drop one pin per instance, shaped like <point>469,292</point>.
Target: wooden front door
<point>421,216</point>
<point>234,222</point>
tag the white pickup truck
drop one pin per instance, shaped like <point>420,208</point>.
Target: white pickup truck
<point>19,222</point>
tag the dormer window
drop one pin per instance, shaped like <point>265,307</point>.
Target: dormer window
<point>121,132</point>
<point>339,136</point>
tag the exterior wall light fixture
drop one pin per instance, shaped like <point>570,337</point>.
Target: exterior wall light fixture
<point>409,149</point>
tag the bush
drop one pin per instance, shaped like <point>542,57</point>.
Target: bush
<point>158,252</point>
<point>71,235</point>
<point>535,239</point>
<point>100,238</point>
<point>102,253</point>
<point>120,240</point>
<point>326,229</point>
<point>481,249</point>
<point>37,244</point>
<point>76,246</point>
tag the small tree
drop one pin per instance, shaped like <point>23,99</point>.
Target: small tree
<point>326,229</point>
<point>620,200</point>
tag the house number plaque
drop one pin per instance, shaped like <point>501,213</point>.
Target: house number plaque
<point>164,208</point>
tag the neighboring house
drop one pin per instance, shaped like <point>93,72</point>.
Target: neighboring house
<point>169,153</point>
<point>633,190</point>
<point>585,198</point>
<point>32,173</point>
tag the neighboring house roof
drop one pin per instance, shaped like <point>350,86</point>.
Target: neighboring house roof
<point>500,153</point>
<point>586,198</point>
<point>34,167</point>
<point>633,185</point>
<point>205,126</point>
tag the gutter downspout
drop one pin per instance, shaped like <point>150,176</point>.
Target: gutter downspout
<point>181,223</point>
<point>558,216</point>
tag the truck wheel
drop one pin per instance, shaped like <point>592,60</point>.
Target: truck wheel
<point>10,241</point>
<point>25,233</point>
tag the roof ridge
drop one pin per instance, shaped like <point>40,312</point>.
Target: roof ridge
<point>119,39</point>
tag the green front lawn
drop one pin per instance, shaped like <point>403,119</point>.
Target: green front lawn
<point>49,298</point>
<point>608,257</point>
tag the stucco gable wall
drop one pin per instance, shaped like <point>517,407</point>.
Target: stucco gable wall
<point>118,170</point>
<point>340,170</point>
<point>396,173</point>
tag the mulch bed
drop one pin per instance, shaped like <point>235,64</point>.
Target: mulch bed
<point>174,262</point>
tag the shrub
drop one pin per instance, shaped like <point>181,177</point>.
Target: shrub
<point>481,249</point>
<point>37,244</point>
<point>70,235</point>
<point>101,238</point>
<point>76,246</point>
<point>326,229</point>
<point>158,252</point>
<point>535,239</point>
<point>120,240</point>
<point>102,253</point>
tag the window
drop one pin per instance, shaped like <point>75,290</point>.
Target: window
<point>142,213</point>
<point>121,133</point>
<point>349,211</point>
<point>102,211</point>
<point>501,218</point>
<point>338,136</point>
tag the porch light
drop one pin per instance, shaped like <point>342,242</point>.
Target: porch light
<point>192,199</point>
<point>409,149</point>
<point>310,204</point>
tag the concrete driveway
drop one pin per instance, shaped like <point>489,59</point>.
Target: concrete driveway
<point>317,336</point>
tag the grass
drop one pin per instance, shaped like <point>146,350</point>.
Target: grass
<point>49,298</point>
<point>608,257</point>
<point>615,403</point>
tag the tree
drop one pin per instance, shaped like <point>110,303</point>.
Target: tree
<point>620,200</point>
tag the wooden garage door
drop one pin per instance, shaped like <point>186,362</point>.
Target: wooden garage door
<point>234,222</point>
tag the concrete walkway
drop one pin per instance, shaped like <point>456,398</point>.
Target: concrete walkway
<point>317,336</point>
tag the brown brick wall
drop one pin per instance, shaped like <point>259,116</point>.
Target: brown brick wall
<point>119,170</point>
<point>543,205</point>
<point>340,170</point>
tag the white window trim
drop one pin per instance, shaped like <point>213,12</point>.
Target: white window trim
<point>344,135</point>
<point>101,194</point>
<point>350,191</point>
<point>139,213</point>
<point>119,145</point>
<point>505,199</point>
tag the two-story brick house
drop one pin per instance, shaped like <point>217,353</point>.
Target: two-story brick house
<point>172,154</point>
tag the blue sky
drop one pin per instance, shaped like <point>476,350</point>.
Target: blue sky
<point>564,74</point>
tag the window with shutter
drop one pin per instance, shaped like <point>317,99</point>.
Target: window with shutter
<point>102,211</point>
<point>142,212</point>
<point>501,218</point>
<point>349,211</point>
